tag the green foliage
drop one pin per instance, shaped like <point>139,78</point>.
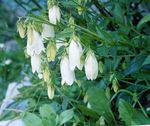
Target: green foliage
<point>130,115</point>
<point>31,119</point>
<point>100,104</point>
<point>118,33</point>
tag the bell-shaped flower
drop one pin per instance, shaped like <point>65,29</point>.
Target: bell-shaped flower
<point>48,31</point>
<point>75,52</point>
<point>36,64</point>
<point>37,46</point>
<point>54,14</point>
<point>91,66</point>
<point>67,74</point>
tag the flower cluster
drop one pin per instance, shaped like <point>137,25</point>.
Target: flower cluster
<point>71,58</point>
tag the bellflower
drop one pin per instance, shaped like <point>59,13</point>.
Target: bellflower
<point>75,51</point>
<point>37,46</point>
<point>67,74</point>
<point>36,64</point>
<point>54,14</point>
<point>91,66</point>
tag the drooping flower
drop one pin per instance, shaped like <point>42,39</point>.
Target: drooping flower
<point>54,14</point>
<point>67,74</point>
<point>75,51</point>
<point>36,64</point>
<point>51,51</point>
<point>36,46</point>
<point>91,66</point>
<point>50,91</point>
<point>48,31</point>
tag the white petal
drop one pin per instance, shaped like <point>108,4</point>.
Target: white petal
<point>36,63</point>
<point>54,14</point>
<point>91,66</point>
<point>37,45</point>
<point>75,51</point>
<point>67,75</point>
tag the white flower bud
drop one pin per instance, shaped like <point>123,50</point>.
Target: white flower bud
<point>67,74</point>
<point>37,46</point>
<point>48,31</point>
<point>89,105</point>
<point>50,91</point>
<point>91,66</point>
<point>54,14</point>
<point>75,51</point>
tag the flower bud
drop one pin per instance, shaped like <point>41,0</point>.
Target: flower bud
<point>115,84</point>
<point>30,34</point>
<point>102,121</point>
<point>54,14</point>
<point>107,93</point>
<point>91,66</point>
<point>67,74</point>
<point>75,52</point>
<point>89,105</point>
<point>71,22</point>
<point>51,51</point>
<point>101,67</point>
<point>85,99</point>
<point>21,29</point>
<point>50,91</point>
<point>46,75</point>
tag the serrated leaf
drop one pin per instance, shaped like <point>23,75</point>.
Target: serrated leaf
<point>31,119</point>
<point>130,116</point>
<point>100,104</point>
<point>145,19</point>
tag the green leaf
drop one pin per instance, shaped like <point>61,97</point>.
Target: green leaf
<point>100,104</point>
<point>65,33</point>
<point>118,13</point>
<point>88,112</point>
<point>48,115</point>
<point>145,19</point>
<point>147,61</point>
<point>66,116</point>
<point>40,19</point>
<point>31,119</point>
<point>130,116</point>
<point>135,65</point>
